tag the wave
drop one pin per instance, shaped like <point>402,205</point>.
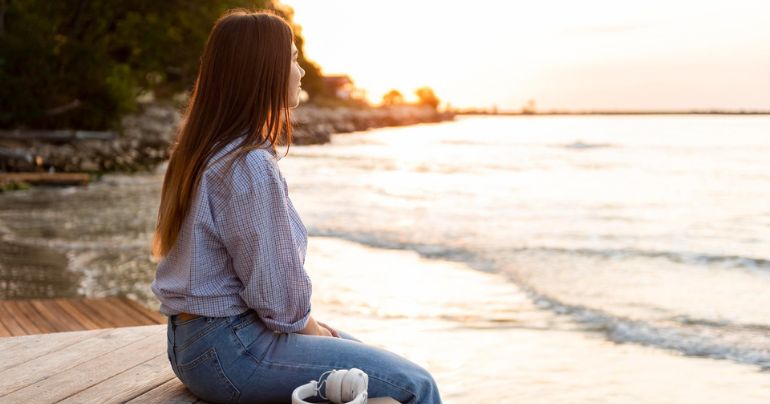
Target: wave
<point>678,339</point>
<point>426,250</point>
<point>687,335</point>
<point>579,145</point>
<point>692,258</point>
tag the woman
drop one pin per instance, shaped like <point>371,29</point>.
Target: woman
<point>232,246</point>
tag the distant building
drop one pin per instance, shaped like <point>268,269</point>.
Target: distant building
<point>342,87</point>
<point>338,86</point>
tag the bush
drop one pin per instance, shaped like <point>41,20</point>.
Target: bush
<point>81,64</point>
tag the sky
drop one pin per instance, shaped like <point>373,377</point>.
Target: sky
<point>569,55</point>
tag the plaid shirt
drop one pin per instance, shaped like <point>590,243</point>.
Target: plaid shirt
<point>241,246</point>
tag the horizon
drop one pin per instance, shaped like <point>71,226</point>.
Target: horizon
<point>599,55</point>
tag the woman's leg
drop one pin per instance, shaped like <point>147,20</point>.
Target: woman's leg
<point>345,335</point>
<point>237,359</point>
<point>294,359</point>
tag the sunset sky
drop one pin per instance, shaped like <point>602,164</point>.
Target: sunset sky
<point>577,55</point>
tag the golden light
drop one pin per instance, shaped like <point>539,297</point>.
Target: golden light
<point>563,54</point>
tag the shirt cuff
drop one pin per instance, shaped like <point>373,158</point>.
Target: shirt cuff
<point>281,326</point>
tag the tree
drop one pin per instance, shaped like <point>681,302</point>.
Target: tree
<point>312,82</point>
<point>81,64</point>
<point>426,96</point>
<point>393,97</point>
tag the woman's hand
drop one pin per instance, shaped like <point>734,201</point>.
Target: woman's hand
<point>331,330</point>
<point>314,327</point>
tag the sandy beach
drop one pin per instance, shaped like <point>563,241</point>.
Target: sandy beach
<point>462,325</point>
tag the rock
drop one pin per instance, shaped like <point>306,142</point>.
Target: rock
<point>146,137</point>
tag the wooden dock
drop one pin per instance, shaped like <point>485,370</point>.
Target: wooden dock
<point>115,365</point>
<point>37,316</point>
<point>45,178</point>
<point>109,365</point>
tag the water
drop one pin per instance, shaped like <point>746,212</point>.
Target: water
<point>652,230</point>
<point>645,230</point>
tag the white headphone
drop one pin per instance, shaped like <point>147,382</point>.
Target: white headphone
<point>341,387</point>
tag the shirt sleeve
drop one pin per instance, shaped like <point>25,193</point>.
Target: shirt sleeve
<point>256,232</point>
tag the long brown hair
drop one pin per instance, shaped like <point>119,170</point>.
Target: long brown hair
<point>241,88</point>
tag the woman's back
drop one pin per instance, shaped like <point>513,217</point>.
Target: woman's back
<point>241,224</point>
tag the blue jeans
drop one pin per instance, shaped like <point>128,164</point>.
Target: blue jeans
<point>238,359</point>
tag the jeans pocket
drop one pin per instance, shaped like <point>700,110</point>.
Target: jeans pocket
<point>253,337</point>
<point>204,377</point>
<point>190,332</point>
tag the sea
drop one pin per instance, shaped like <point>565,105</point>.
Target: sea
<point>643,230</point>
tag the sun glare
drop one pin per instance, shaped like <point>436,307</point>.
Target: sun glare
<point>562,54</point>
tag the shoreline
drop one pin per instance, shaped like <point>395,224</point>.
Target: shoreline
<point>145,138</point>
<point>608,113</point>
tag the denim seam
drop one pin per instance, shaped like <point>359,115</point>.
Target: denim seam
<point>244,323</point>
<point>211,353</point>
<point>247,351</point>
<point>213,325</point>
<point>392,384</point>
<point>300,366</point>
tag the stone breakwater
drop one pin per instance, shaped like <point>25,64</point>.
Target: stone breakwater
<point>145,137</point>
<point>314,125</point>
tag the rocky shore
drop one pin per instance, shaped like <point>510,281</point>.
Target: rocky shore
<point>145,137</point>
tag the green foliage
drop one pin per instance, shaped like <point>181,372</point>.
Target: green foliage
<point>312,82</point>
<point>13,186</point>
<point>80,64</point>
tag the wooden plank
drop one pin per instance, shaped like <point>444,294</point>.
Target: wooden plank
<point>127,313</point>
<point>97,317</point>
<point>81,318</point>
<point>46,178</point>
<point>97,368</point>
<point>58,322</point>
<point>25,319</point>
<point>173,391</point>
<point>70,322</point>
<point>41,321</point>
<point>4,332</point>
<point>103,345</point>
<point>156,317</point>
<point>114,316</point>
<point>128,384</point>
<point>34,316</point>
<point>9,320</point>
<point>19,350</point>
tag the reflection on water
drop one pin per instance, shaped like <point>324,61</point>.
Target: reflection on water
<point>658,237</point>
